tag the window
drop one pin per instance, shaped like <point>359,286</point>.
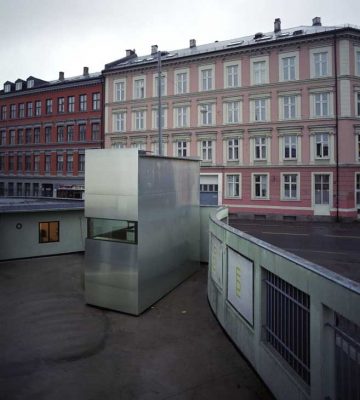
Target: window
<point>19,189</point>
<point>59,163</point>
<point>11,189</point>
<point>290,147</point>
<point>181,117</point>
<point>13,111</point>
<point>357,147</point>
<point>48,134</point>
<point>7,88</point>
<point>12,137</point>
<point>232,112</point>
<point>119,122</point>
<point>69,162</point>
<point>119,90</point>
<point>232,76</point>
<point>163,85</point>
<point>260,148</point>
<point>260,110</point>
<point>36,135</point>
<point>19,166</point>
<point>3,138</point>
<point>113,230</point>
<point>36,163</point>
<point>139,119</point>
<point>81,163</point>
<point>233,149</point>
<point>322,145</point>
<point>49,232</point>
<point>321,64</point>
<point>82,132</point>
<point>358,104</point>
<point>322,188</point>
<point>96,101</point>
<point>36,191</point>
<point>259,72</point>
<point>27,162</point>
<point>47,163</point>
<point>289,111</point>
<point>83,102</point>
<point>20,136</point>
<point>321,103</point>
<point>206,79</point>
<point>21,110</point>
<point>18,86</point>
<point>139,88</point>
<point>206,114</point>
<point>3,113</point>
<point>29,107</point>
<point>61,105</point>
<point>357,62</point>
<point>95,132</point>
<point>233,185</point>
<point>357,190</point>
<point>181,82</point>
<point>71,104</point>
<point>206,150</point>
<point>288,68</point>
<point>260,186</point>
<point>70,133</point>
<point>30,83</point>
<point>38,108</point>
<point>156,118</point>
<point>2,162</point>
<point>48,106</point>
<point>2,186</point>
<point>28,136</point>
<point>60,134</point>
<point>181,149</point>
<point>290,187</point>
<point>11,163</point>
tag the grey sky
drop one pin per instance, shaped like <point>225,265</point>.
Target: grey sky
<point>43,37</point>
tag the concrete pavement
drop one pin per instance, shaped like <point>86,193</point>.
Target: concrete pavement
<point>54,347</point>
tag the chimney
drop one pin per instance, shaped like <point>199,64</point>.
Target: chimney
<point>277,25</point>
<point>130,52</point>
<point>316,21</point>
<point>61,76</point>
<point>86,71</point>
<point>192,43</point>
<point>154,49</point>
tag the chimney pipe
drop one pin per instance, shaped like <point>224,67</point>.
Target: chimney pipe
<point>61,76</point>
<point>192,43</point>
<point>154,49</point>
<point>277,25</point>
<point>316,21</point>
<point>86,71</point>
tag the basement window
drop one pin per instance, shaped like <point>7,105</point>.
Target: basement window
<point>49,232</point>
<point>112,230</point>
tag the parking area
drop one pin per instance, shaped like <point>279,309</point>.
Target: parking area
<point>335,246</point>
<point>53,346</point>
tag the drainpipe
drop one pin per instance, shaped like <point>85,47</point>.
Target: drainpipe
<point>337,131</point>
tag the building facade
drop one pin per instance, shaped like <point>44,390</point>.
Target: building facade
<point>274,117</point>
<point>45,128</point>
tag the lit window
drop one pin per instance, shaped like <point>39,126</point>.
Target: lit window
<point>49,232</point>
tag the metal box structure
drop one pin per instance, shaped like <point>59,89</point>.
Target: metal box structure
<point>143,227</point>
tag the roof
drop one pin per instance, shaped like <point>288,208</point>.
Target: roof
<point>237,43</point>
<point>16,204</point>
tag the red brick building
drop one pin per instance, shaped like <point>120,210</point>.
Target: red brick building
<point>45,128</point>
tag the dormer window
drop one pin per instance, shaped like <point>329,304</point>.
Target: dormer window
<point>30,83</point>
<point>18,86</point>
<point>7,88</point>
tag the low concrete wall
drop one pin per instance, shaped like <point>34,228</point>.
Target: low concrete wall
<point>238,293</point>
<point>19,232</point>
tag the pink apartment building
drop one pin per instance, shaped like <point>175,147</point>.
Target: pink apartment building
<point>274,117</point>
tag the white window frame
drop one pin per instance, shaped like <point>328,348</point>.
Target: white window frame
<point>155,147</point>
<point>119,121</point>
<point>120,90</point>
<point>7,88</point>
<point>323,139</point>
<point>139,120</point>
<point>232,111</point>
<point>283,196</point>
<point>255,79</point>
<point>357,146</point>
<point>321,99</point>
<point>206,114</point>
<point>313,70</point>
<point>282,67</point>
<point>293,143</point>
<point>357,104</point>
<point>140,145</point>
<point>206,150</point>
<point>163,84</point>
<point>232,74</point>
<point>357,60</point>
<point>139,90</point>
<point>233,146</point>
<point>232,181</point>
<point>155,118</point>
<point>289,107</point>
<point>206,81</point>
<point>266,180</point>
<point>30,83</point>
<point>181,148</point>
<point>18,85</point>
<point>181,116</point>
<point>259,112</point>
<point>260,148</point>
<point>181,86</point>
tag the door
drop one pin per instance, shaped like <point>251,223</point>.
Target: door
<point>322,194</point>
